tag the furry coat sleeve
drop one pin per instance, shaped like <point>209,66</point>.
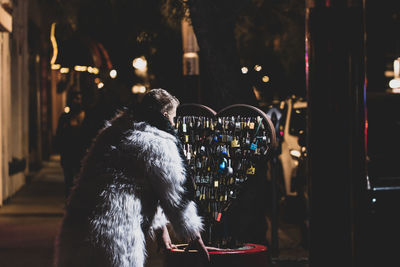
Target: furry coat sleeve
<point>167,175</point>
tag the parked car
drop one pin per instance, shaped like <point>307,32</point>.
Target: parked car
<point>292,128</point>
<point>383,179</point>
<point>291,164</point>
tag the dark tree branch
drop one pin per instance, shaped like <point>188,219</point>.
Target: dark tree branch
<point>214,23</point>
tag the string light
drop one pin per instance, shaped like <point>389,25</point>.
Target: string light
<point>140,63</point>
<point>113,74</point>
<point>138,89</point>
<point>54,44</point>
<point>190,55</point>
<point>64,70</point>
<point>80,68</point>
<point>394,83</point>
<point>90,69</point>
<point>245,70</point>
<point>55,66</point>
<point>396,68</point>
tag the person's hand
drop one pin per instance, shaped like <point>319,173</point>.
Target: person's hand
<point>198,243</point>
<point>167,239</point>
<point>163,240</point>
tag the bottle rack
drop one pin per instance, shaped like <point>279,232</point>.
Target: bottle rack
<point>222,151</point>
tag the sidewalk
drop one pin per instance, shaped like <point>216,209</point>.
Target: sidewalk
<point>29,221</point>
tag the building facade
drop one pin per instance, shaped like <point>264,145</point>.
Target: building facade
<point>14,97</point>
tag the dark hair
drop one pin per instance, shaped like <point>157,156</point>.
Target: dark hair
<point>71,95</point>
<point>159,100</point>
<point>153,105</point>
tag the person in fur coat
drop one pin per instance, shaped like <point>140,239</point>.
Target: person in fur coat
<point>133,181</point>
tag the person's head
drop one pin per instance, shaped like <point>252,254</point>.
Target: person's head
<point>74,100</point>
<point>161,101</point>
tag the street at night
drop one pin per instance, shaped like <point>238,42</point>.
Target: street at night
<point>178,133</point>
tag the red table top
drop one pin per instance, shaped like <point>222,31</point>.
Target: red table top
<point>253,248</point>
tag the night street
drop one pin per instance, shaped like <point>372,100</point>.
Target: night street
<point>193,133</point>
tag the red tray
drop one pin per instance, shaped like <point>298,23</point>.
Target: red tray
<point>248,255</point>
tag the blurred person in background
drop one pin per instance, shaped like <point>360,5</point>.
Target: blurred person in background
<point>69,138</point>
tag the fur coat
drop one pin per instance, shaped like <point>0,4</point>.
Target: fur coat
<point>133,181</point>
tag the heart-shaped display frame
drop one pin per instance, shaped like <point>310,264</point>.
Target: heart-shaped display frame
<point>243,110</point>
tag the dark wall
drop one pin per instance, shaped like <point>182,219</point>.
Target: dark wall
<point>383,41</point>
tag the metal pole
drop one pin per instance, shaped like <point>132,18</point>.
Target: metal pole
<point>275,210</point>
<point>335,79</point>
